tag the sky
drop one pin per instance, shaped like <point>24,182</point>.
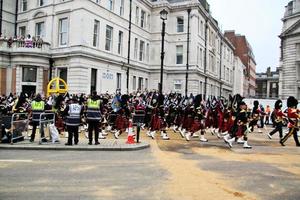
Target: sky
<point>259,20</point>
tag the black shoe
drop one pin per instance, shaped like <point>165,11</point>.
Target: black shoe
<point>68,144</point>
<point>282,144</point>
<point>76,143</point>
<point>44,140</point>
<point>31,140</point>
<point>90,143</point>
<point>96,143</point>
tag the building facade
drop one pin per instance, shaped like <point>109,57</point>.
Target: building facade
<point>267,84</point>
<point>244,51</point>
<point>85,42</point>
<point>289,70</point>
<point>238,80</point>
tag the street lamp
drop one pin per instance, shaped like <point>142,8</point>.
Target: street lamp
<point>163,16</point>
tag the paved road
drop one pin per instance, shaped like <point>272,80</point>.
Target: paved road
<point>173,170</point>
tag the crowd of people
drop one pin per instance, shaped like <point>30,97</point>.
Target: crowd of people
<point>193,116</point>
<point>22,41</point>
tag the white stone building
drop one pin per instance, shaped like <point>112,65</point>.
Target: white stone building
<point>88,42</point>
<point>238,80</point>
<point>289,70</point>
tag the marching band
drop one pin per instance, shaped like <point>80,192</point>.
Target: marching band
<point>229,119</point>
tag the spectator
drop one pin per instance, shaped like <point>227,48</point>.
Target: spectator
<point>10,42</point>
<point>39,42</point>
<point>28,41</point>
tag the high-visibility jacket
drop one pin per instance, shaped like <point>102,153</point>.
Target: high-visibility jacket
<point>73,118</point>
<point>93,110</point>
<point>38,108</point>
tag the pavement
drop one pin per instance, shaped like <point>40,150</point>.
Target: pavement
<point>109,144</point>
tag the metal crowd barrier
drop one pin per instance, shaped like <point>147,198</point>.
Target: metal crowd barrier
<point>45,119</point>
<point>19,125</point>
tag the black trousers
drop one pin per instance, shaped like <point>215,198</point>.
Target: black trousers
<point>292,131</point>
<point>72,131</point>
<point>278,127</point>
<point>34,125</point>
<point>93,126</point>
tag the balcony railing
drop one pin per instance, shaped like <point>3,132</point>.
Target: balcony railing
<point>23,46</point>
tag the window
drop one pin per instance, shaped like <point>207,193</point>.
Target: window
<point>212,62</point>
<point>143,18</point>
<point>142,50</point>
<point>96,33</point>
<point>23,5</point>
<point>141,84</point>
<point>63,74</point>
<point>108,43</point>
<point>198,55</point>
<point>179,54</point>
<point>111,5</point>
<point>177,85</point>
<point>147,52</point>
<point>22,31</point>
<point>227,74</point>
<point>41,2</point>
<point>40,29</point>
<point>134,83</point>
<point>93,80</point>
<point>148,21</point>
<point>180,24</point>
<point>201,28</point>
<point>201,57</point>
<point>137,13</point>
<point>201,87</point>
<point>122,8</point>
<point>119,80</point>
<point>146,83</point>
<point>120,42</point>
<point>29,74</point>
<point>135,48</point>
<point>63,31</point>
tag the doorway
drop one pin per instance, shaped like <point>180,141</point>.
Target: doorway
<point>29,89</point>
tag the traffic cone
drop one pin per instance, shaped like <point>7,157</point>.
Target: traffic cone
<point>130,137</point>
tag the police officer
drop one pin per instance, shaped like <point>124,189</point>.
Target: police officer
<point>93,116</point>
<point>37,108</point>
<point>73,111</point>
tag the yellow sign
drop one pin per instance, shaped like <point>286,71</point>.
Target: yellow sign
<point>57,86</point>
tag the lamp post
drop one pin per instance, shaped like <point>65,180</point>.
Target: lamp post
<point>129,41</point>
<point>163,16</point>
<point>187,54</point>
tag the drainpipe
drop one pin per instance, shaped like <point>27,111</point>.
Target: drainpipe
<point>16,17</point>
<point>205,59</point>
<point>221,54</point>
<point>187,54</point>
<point>1,11</point>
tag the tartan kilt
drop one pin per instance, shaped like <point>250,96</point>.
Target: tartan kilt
<point>121,122</point>
<point>178,120</point>
<point>155,123</point>
<point>187,123</point>
<point>221,121</point>
<point>240,131</point>
<point>196,126</point>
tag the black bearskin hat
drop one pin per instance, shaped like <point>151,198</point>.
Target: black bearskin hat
<point>198,100</point>
<point>161,99</point>
<point>292,102</point>
<point>255,103</point>
<point>278,104</point>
